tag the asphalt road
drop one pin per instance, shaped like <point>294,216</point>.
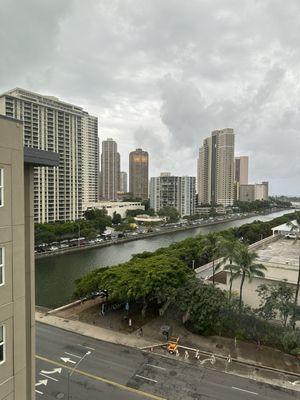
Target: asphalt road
<point>113,372</point>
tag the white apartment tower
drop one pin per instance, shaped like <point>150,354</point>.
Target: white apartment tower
<point>110,170</point>
<point>216,169</point>
<point>53,125</point>
<point>173,191</point>
<point>123,182</point>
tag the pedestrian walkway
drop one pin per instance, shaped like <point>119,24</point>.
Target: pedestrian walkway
<point>132,340</point>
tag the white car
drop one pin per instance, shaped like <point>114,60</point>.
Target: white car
<point>291,235</point>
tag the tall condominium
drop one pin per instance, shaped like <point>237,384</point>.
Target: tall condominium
<point>17,288</point>
<point>215,172</point>
<point>138,174</point>
<point>53,125</point>
<point>110,170</point>
<point>173,191</point>
<point>241,165</point>
<point>123,187</point>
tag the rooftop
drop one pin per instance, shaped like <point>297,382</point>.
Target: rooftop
<point>281,259</point>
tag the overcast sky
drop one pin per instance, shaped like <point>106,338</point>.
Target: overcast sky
<point>161,74</point>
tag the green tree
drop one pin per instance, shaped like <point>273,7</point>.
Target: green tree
<point>276,300</point>
<point>116,219</point>
<point>202,305</point>
<point>244,266</point>
<point>143,280</point>
<point>170,213</point>
<point>228,250</point>
<point>295,227</point>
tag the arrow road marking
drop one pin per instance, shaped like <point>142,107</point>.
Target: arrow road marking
<point>42,382</point>
<point>66,360</point>
<point>294,383</point>
<point>53,371</point>
<point>37,391</point>
<point>49,377</point>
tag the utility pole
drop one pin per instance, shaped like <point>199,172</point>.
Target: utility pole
<point>78,235</point>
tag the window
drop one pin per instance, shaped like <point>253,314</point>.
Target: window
<point>2,275</point>
<point>1,187</point>
<point>2,344</point>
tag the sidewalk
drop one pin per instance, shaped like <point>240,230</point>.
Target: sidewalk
<point>95,332</point>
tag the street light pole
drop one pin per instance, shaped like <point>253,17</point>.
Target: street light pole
<point>78,235</point>
<point>70,373</point>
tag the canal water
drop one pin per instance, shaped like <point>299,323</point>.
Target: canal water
<point>55,275</point>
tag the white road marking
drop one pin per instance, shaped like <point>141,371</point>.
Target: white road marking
<point>243,390</point>
<point>37,391</point>
<point>66,360</point>
<point>49,377</point>
<point>156,366</point>
<point>42,382</point>
<point>73,355</point>
<point>53,371</point>
<point>87,347</point>
<point>144,377</point>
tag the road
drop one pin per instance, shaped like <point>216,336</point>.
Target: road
<point>113,372</point>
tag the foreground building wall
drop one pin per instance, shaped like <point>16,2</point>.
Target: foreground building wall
<point>17,290</point>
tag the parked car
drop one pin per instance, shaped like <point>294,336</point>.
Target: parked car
<point>291,235</point>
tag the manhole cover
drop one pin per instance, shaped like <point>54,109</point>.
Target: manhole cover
<point>60,396</point>
<point>173,373</point>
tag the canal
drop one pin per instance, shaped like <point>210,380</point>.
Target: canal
<point>55,276</point>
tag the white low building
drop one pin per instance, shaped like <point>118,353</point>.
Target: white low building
<point>285,229</point>
<point>281,258</point>
<point>120,207</point>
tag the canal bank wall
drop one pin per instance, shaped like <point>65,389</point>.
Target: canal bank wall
<point>150,234</point>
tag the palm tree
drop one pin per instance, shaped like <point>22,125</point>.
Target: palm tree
<point>244,265</point>
<point>229,249</point>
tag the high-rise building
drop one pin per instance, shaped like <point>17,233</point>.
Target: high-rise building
<point>17,271</point>
<point>110,170</point>
<point>216,168</point>
<point>241,166</point>
<point>123,188</point>
<point>187,195</point>
<point>138,174</point>
<point>255,191</point>
<point>90,158</point>
<point>173,191</point>
<point>53,125</point>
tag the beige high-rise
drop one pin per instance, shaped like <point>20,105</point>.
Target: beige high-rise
<point>110,170</point>
<point>216,168</point>
<point>241,166</point>
<point>139,174</point>
<point>17,288</point>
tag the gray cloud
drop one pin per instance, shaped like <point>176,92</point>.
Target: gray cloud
<point>163,74</point>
